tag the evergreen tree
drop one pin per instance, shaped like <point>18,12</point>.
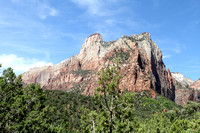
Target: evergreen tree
<point>22,108</point>
<point>114,108</point>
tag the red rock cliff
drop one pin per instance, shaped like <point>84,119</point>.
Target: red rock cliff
<point>142,66</point>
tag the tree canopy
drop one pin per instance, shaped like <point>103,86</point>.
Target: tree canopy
<point>22,108</point>
<point>31,109</point>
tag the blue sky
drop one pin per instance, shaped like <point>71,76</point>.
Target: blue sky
<point>36,32</point>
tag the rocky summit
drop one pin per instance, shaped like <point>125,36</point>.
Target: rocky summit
<point>142,67</point>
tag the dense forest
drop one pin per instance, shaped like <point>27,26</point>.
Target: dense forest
<point>32,109</point>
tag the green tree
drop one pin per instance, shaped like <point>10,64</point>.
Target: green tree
<point>10,89</point>
<point>22,108</point>
<point>177,120</point>
<point>114,108</point>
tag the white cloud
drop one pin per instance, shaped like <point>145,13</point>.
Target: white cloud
<point>53,12</point>
<point>15,1</point>
<point>21,30</point>
<point>177,50</point>
<point>44,11</point>
<point>97,7</point>
<point>110,22</point>
<point>171,45</point>
<point>166,56</point>
<point>40,8</point>
<point>93,6</point>
<point>20,64</point>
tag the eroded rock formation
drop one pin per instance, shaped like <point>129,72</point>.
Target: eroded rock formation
<point>142,67</point>
<point>196,85</point>
<point>185,89</point>
<point>184,81</point>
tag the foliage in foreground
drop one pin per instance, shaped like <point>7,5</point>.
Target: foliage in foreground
<point>68,108</point>
<point>116,111</point>
<point>30,109</point>
<point>177,120</point>
<point>22,108</point>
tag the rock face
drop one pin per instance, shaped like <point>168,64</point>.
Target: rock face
<point>142,67</point>
<point>182,79</point>
<point>184,89</point>
<point>196,85</point>
<point>184,95</point>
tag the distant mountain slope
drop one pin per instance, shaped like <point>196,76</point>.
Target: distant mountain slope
<point>142,67</point>
<point>184,89</point>
<point>196,85</point>
<point>182,79</point>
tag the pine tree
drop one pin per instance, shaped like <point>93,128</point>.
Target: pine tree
<point>22,109</point>
<point>114,108</point>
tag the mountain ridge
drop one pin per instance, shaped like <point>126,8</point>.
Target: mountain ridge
<point>142,67</point>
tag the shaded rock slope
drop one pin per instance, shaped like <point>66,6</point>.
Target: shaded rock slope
<point>142,67</point>
<point>186,89</point>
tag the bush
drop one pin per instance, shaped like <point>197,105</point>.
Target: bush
<point>81,72</point>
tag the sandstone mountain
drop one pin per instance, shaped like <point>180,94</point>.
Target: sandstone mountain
<point>142,67</point>
<point>182,79</point>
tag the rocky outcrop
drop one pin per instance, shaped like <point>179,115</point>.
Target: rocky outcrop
<point>184,89</point>
<point>142,67</point>
<point>196,85</point>
<point>184,81</point>
<point>184,95</point>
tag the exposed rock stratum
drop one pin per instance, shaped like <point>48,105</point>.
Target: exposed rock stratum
<point>186,89</point>
<point>182,79</point>
<point>196,85</point>
<point>142,67</point>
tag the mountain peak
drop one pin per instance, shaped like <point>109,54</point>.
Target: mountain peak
<point>141,63</point>
<point>146,34</point>
<point>94,38</point>
<point>91,46</point>
<point>182,79</point>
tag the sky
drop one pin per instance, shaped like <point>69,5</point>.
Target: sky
<point>34,33</point>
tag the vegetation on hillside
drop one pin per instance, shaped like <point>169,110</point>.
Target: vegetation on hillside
<point>68,108</point>
<point>81,72</point>
<point>22,108</point>
<point>30,109</point>
<point>179,86</point>
<point>119,53</point>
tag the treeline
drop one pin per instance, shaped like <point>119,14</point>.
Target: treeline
<point>31,109</point>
